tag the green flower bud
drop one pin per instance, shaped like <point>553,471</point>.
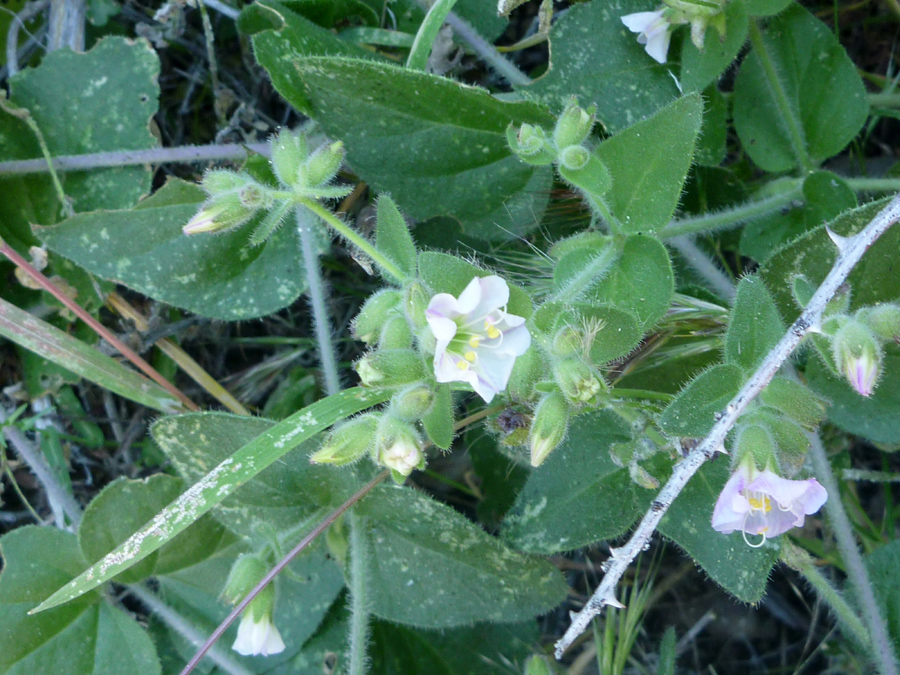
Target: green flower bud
<point>551,421</point>
<point>574,157</point>
<point>756,442</point>
<point>348,442</point>
<point>537,665</point>
<point>580,383</point>
<point>568,341</point>
<point>216,181</point>
<point>413,402</point>
<point>247,571</point>
<point>323,164</point>
<point>390,368</point>
<point>225,211</point>
<point>574,125</point>
<point>530,144</point>
<point>415,303</point>
<point>289,152</point>
<point>399,448</point>
<point>337,540</point>
<point>396,334</point>
<point>857,355</point>
<point>255,196</point>
<point>375,313</point>
<point>883,320</point>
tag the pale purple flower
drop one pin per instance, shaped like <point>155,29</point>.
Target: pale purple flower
<point>862,372</point>
<point>477,339</point>
<point>655,32</point>
<point>763,503</point>
<point>257,636</point>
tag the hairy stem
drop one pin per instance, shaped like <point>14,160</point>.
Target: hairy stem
<point>493,58</point>
<point>359,599</point>
<point>849,254</point>
<point>882,650</point>
<point>715,278</point>
<point>306,221</point>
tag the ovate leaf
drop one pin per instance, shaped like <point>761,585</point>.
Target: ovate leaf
<point>755,325</point>
<point>694,410</point>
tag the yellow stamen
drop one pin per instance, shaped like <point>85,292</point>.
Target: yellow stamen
<point>492,331</point>
<point>462,365</point>
<point>763,504</point>
<point>471,356</point>
<point>474,341</point>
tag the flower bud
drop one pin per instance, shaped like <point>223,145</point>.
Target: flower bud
<point>289,152</point>
<point>323,164</point>
<point>216,181</point>
<point>399,448</point>
<point>257,634</point>
<point>375,313</point>
<point>857,355</point>
<point>883,320</point>
<point>580,383</point>
<point>574,125</point>
<point>348,442</point>
<point>255,196</point>
<point>390,368</point>
<point>396,334</point>
<point>413,402</point>
<point>537,665</point>
<point>247,571</point>
<point>755,443</point>
<point>530,144</point>
<point>221,212</point>
<point>415,303</point>
<point>568,341</point>
<point>551,420</point>
<point>574,157</point>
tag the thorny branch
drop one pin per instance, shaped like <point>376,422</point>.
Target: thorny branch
<point>850,250</point>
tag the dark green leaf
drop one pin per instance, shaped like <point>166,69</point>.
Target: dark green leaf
<point>392,236</point>
<point>430,567</point>
<point>825,94</point>
<point>649,162</point>
<point>438,421</point>
<point>595,58</point>
<point>755,325</point>
<point>219,276</point>
<point>694,411</point>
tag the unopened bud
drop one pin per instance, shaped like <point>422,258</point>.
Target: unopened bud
<point>216,181</point>
<point>247,571</point>
<point>413,402</point>
<point>579,383</point>
<point>390,368</point>
<point>415,303</point>
<point>399,447</point>
<point>323,164</point>
<point>754,442</point>
<point>574,157</point>
<point>222,212</point>
<point>585,170</point>
<point>396,334</point>
<point>348,442</point>
<point>289,152</point>
<point>375,313</point>
<point>551,420</point>
<point>574,125</point>
<point>857,355</point>
<point>884,320</point>
<point>531,145</point>
<point>568,341</point>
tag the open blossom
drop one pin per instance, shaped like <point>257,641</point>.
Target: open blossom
<point>257,635</point>
<point>763,503</point>
<point>655,32</point>
<point>477,340</point>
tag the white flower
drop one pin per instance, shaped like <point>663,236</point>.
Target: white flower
<point>257,636</point>
<point>403,455</point>
<point>655,32</point>
<point>477,340</point>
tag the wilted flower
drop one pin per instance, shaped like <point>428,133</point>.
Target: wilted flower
<point>477,340</point>
<point>257,635</point>
<point>655,32</point>
<point>763,503</point>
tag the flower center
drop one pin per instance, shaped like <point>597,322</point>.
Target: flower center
<point>465,344</point>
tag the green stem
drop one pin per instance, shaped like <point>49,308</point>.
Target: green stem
<point>321,322</point>
<point>45,151</point>
<point>882,650</point>
<point>601,209</point>
<point>590,274</point>
<point>354,238</point>
<point>359,601</point>
<point>798,559</point>
<point>792,124</point>
<point>727,218</point>
<point>885,100</point>
<point>427,34</point>
<point>873,184</point>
